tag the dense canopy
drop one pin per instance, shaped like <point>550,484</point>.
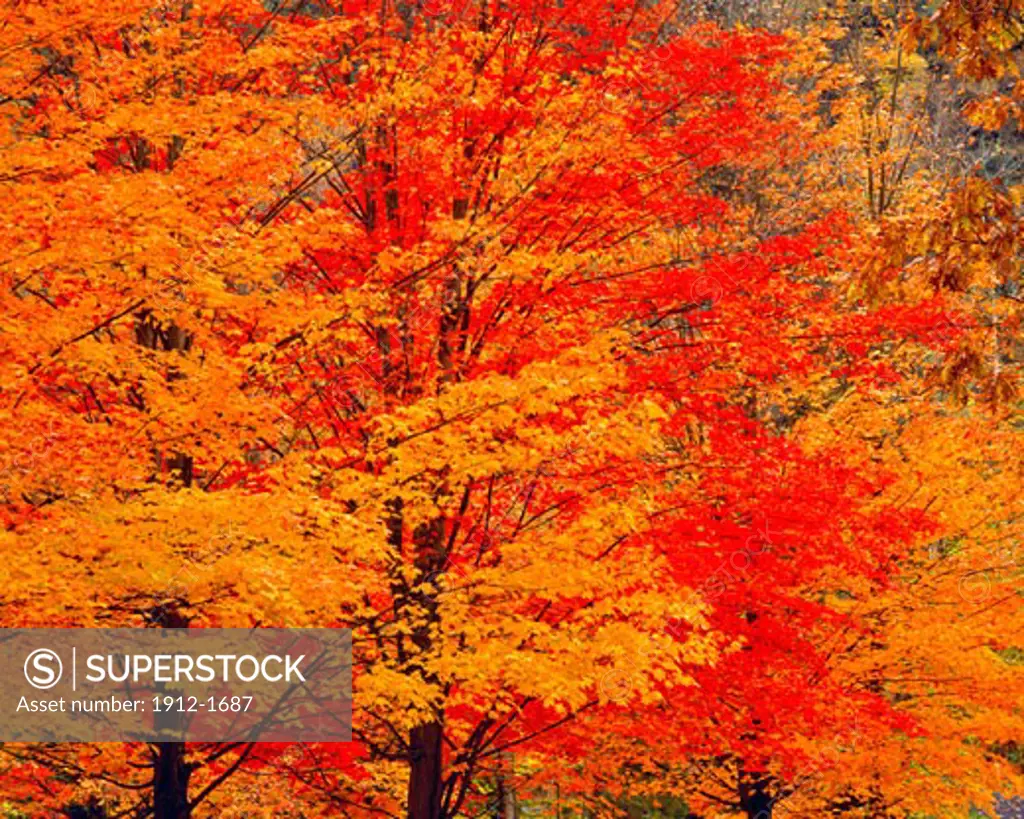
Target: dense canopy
<point>638,381</point>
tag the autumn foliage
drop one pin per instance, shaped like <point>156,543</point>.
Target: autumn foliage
<point>651,459</point>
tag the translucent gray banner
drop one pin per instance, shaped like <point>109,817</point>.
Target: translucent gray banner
<point>175,685</point>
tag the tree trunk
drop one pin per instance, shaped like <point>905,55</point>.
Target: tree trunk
<point>760,806</point>
<point>505,802</point>
<point>755,796</point>
<point>170,782</point>
<point>425,741</point>
<point>425,758</point>
<point>170,771</point>
<point>425,773</point>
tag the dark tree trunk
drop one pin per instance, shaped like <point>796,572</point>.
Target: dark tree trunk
<point>171,773</point>
<point>760,806</point>
<point>425,773</point>
<point>425,757</point>
<point>755,796</point>
<point>170,782</point>
<point>425,742</point>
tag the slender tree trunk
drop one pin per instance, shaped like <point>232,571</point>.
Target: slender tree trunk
<point>425,741</point>
<point>170,782</point>
<point>170,771</point>
<point>505,804</point>
<point>425,752</point>
<point>425,773</point>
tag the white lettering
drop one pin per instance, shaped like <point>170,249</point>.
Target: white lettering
<point>263,668</point>
<point>289,667</point>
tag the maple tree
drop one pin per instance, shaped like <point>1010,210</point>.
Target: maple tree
<point>920,244</point>
<point>962,594</point>
<point>506,335</point>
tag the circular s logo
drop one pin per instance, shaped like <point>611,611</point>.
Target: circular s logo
<point>43,668</point>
